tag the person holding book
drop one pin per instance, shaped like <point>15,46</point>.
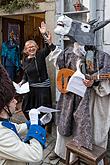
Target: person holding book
<point>13,149</point>
<point>86,121</point>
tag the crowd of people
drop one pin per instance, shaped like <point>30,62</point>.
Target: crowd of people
<point>83,119</point>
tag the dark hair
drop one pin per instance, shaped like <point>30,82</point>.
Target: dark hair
<point>7,90</point>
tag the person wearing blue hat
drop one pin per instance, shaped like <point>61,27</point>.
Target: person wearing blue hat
<point>13,149</point>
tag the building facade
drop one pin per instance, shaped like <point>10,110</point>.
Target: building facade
<point>101,9</point>
<point>25,24</point>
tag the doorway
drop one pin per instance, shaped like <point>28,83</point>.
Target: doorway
<point>13,26</point>
<point>23,28</point>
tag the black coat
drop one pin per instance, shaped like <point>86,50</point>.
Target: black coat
<point>35,72</point>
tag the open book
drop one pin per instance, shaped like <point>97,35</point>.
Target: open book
<point>44,109</point>
<point>47,117</point>
<point>21,89</point>
<point>76,85</point>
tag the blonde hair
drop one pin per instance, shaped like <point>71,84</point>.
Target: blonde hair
<point>27,43</point>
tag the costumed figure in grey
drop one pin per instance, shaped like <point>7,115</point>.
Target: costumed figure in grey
<point>91,115</point>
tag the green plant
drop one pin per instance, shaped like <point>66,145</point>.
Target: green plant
<point>14,5</point>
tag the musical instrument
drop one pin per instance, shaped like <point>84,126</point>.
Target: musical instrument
<point>63,77</point>
<point>98,76</point>
<point>65,74</point>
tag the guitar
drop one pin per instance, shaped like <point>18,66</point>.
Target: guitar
<point>98,77</point>
<point>63,77</point>
<point>65,74</point>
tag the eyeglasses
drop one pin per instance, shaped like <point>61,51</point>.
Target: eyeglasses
<point>30,47</point>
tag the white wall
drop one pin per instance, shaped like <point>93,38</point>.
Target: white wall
<point>86,3</point>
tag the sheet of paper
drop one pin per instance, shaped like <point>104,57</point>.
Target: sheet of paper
<point>23,89</point>
<point>44,109</point>
<point>76,85</point>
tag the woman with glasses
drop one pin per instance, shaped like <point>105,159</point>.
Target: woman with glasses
<point>35,72</point>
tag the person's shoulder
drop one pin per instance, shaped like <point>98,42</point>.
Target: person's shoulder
<point>40,51</point>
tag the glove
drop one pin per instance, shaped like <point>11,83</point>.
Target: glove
<point>46,118</point>
<point>33,114</point>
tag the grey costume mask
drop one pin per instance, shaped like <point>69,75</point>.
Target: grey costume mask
<point>81,32</point>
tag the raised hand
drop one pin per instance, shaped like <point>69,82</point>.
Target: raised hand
<point>47,35</point>
<point>48,38</point>
<point>43,28</point>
